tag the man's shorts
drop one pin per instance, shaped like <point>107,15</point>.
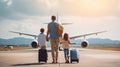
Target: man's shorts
<point>54,44</point>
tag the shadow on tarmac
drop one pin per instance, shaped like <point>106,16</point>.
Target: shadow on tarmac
<point>28,64</point>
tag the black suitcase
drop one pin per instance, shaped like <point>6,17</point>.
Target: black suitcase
<point>42,55</point>
<point>74,55</point>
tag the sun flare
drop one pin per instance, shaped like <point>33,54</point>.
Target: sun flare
<point>89,7</point>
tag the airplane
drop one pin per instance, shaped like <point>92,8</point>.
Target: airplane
<point>84,43</point>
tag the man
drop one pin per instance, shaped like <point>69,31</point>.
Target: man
<point>54,38</point>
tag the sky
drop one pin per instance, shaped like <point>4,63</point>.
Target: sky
<point>87,16</point>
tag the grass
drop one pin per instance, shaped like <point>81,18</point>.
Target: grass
<point>15,48</point>
<point>90,47</point>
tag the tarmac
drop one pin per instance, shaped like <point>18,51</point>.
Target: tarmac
<point>88,58</point>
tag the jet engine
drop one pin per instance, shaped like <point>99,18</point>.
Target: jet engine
<point>84,44</point>
<point>34,44</point>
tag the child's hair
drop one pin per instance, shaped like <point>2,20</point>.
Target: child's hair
<point>66,36</point>
<point>42,30</point>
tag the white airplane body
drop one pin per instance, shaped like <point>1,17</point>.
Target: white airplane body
<point>84,43</point>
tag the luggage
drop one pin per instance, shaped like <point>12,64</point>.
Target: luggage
<point>60,30</point>
<point>42,55</point>
<point>74,55</point>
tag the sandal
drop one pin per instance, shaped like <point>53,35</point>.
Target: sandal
<point>53,62</point>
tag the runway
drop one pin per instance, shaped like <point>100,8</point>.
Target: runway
<point>88,58</point>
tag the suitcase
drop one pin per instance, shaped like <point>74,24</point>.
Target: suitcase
<point>42,55</point>
<point>74,55</point>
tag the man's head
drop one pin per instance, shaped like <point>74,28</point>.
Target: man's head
<point>53,18</point>
<point>42,30</point>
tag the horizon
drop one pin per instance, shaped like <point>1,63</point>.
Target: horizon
<point>87,16</point>
<point>21,41</point>
<point>71,40</point>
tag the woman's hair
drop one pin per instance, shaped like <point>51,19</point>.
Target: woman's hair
<point>66,36</point>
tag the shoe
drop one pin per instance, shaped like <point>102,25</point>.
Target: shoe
<point>67,62</point>
<point>53,62</point>
<point>56,62</point>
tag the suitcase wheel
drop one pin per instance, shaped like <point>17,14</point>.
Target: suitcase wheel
<point>70,60</point>
<point>77,61</point>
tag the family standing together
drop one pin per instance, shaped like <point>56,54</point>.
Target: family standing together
<point>54,35</point>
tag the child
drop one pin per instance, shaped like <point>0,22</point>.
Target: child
<point>42,39</point>
<point>66,45</point>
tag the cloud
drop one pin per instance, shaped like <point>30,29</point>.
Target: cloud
<point>28,16</point>
<point>35,7</point>
<point>27,26</point>
<point>8,2</point>
<point>7,11</point>
<point>22,9</point>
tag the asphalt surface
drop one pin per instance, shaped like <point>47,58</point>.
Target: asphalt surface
<point>88,58</point>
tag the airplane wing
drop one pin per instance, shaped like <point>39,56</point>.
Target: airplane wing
<point>70,37</point>
<point>66,23</point>
<point>24,34</point>
<point>63,23</point>
<point>87,34</point>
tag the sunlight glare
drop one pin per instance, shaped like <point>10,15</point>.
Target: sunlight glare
<point>88,7</point>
